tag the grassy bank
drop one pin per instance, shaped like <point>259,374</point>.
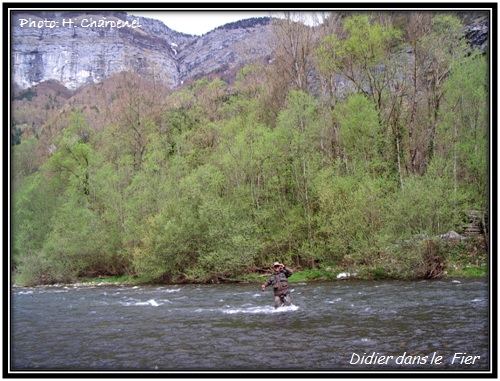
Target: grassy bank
<point>457,268</point>
<point>311,275</point>
<point>427,259</point>
<point>365,273</point>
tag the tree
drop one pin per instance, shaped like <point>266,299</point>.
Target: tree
<point>462,135</point>
<point>364,58</point>
<point>298,146</point>
<point>72,159</point>
<point>359,134</point>
<point>293,42</point>
<point>25,160</point>
<point>138,109</point>
<point>361,55</point>
<point>443,45</point>
<point>426,207</point>
<point>350,215</point>
<point>33,204</point>
<point>418,26</point>
<point>174,239</point>
<point>73,246</point>
<point>210,96</point>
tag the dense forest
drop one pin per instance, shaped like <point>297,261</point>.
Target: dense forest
<point>360,142</point>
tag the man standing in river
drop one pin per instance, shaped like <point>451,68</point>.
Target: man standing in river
<point>279,280</point>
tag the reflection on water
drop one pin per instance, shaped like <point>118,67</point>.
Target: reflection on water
<point>423,325</point>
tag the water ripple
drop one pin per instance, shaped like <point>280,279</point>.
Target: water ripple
<point>236,327</point>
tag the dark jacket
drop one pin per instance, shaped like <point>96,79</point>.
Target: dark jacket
<point>279,280</point>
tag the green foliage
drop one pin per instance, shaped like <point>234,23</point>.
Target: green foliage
<point>214,180</point>
<point>24,158</point>
<point>368,42</point>
<point>31,270</point>
<point>428,204</point>
<point>464,127</point>
<point>471,271</point>
<point>444,45</point>
<point>359,132</point>
<point>328,54</point>
<point>403,259</point>
<point>465,258</point>
<point>72,160</point>
<point>33,206</point>
<point>72,247</point>
<point>359,54</point>
<point>350,215</point>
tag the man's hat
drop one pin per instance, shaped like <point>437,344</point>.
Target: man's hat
<point>276,264</point>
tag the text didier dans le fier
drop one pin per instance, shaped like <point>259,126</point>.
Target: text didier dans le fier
<point>375,358</point>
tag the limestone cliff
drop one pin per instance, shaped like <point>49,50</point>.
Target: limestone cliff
<point>75,50</point>
<point>80,48</point>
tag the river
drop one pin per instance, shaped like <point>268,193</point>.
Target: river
<point>331,326</point>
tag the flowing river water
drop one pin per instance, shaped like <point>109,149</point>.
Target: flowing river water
<point>331,326</point>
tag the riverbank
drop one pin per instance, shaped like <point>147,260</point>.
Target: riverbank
<point>300,276</point>
<point>439,259</point>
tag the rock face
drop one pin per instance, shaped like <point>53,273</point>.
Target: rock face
<point>477,32</point>
<point>81,48</point>
<point>76,51</point>
<point>78,48</point>
<point>224,48</point>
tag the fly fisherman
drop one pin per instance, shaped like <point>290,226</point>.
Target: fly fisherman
<point>279,280</point>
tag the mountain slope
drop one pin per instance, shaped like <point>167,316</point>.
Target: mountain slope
<point>75,54</point>
<point>80,48</point>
